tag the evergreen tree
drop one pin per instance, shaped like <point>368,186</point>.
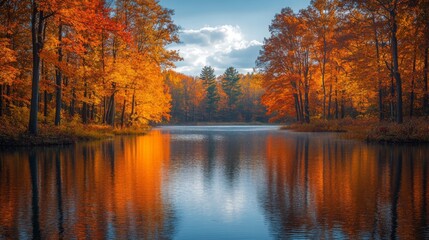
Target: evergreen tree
<point>212,96</point>
<point>232,89</point>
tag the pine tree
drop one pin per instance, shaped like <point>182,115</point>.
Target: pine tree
<point>212,96</point>
<point>232,88</point>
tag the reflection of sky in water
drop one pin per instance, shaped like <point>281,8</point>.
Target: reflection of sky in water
<point>194,137</point>
<point>217,210</point>
<point>213,185</point>
<point>226,129</point>
<point>187,137</point>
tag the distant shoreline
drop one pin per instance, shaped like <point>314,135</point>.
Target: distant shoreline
<point>220,124</point>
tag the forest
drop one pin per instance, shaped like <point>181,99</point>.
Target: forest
<point>230,98</point>
<point>348,58</point>
<point>333,60</point>
<point>68,65</point>
<point>84,62</point>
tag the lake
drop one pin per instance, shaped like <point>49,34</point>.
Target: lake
<point>216,182</point>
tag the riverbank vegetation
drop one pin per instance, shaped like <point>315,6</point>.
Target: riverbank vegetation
<point>371,130</point>
<point>350,59</point>
<point>80,69</point>
<point>15,133</point>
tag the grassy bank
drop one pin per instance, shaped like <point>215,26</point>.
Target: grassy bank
<point>371,130</point>
<point>66,134</point>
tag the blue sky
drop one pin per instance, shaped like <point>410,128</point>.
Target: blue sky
<point>223,33</point>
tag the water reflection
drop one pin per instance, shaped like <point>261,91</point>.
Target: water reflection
<point>325,188</point>
<point>100,190</point>
<point>216,183</point>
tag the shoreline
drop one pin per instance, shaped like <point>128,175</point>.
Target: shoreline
<point>65,135</point>
<point>412,131</point>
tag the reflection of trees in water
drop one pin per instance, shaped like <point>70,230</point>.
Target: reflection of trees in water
<point>231,158</point>
<point>210,159</point>
<point>107,191</point>
<point>329,188</point>
<point>286,197</point>
<point>34,194</point>
<point>59,186</point>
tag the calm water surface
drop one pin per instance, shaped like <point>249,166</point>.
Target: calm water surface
<point>247,182</point>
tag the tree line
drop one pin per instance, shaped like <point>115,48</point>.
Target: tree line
<point>88,61</point>
<point>230,97</point>
<point>339,58</point>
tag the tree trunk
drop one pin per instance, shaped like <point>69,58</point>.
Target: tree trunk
<point>123,113</point>
<point>8,101</point>
<point>92,114</point>
<point>396,74</point>
<point>45,104</point>
<point>84,113</point>
<point>307,77</point>
<point>323,77</point>
<point>58,79</point>
<point>297,108</point>
<point>392,97</point>
<point>336,105</point>
<point>425,80</point>
<point>379,79</point>
<point>111,109</point>
<point>37,24</point>
<point>85,107</point>
<point>1,100</point>
<point>73,102</point>
<point>329,101</point>
<point>133,103</point>
<point>412,94</point>
<point>297,102</point>
<point>104,109</point>
<point>306,103</point>
<point>301,105</point>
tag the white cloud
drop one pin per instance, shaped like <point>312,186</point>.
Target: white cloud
<point>219,47</point>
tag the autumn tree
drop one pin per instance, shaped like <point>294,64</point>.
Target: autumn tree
<point>390,10</point>
<point>356,57</point>
<point>250,106</point>
<point>38,18</point>
<point>286,66</point>
<point>8,70</point>
<point>424,21</point>
<point>151,28</point>
<point>188,99</point>
<point>87,60</point>
<point>187,93</point>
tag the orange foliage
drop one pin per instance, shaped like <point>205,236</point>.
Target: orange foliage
<point>105,64</point>
<point>340,53</point>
